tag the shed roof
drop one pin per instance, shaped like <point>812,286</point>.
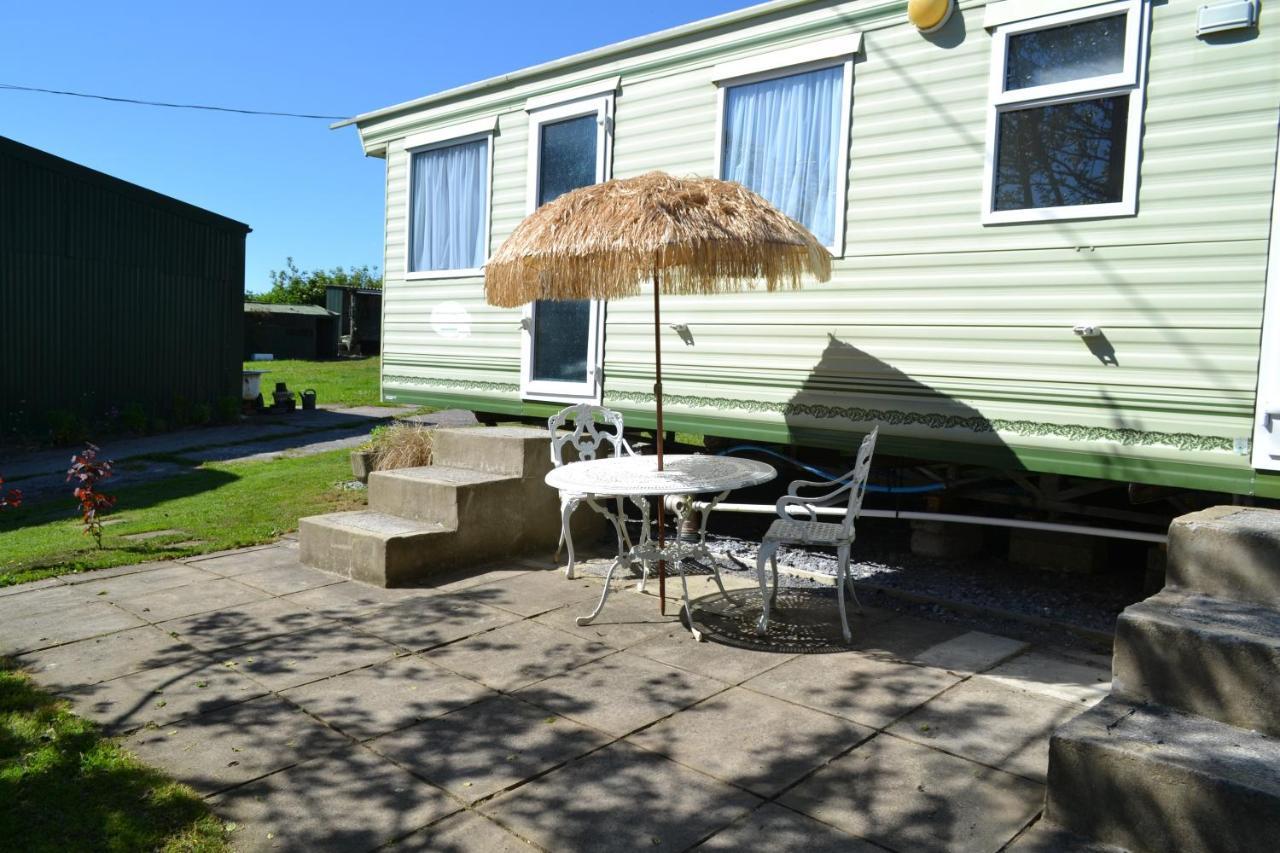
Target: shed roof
<point>13,148</point>
<point>271,308</point>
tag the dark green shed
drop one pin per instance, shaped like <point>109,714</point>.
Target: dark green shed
<point>113,297</point>
<point>289,331</point>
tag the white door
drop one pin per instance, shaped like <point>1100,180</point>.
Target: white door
<point>562,342</point>
<point>1266,423</point>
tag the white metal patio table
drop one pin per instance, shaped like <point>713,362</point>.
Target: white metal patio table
<point>683,475</point>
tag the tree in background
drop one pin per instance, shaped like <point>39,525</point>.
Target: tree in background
<point>292,286</point>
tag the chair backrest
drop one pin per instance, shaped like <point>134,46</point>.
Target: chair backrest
<point>858,483</point>
<point>589,427</point>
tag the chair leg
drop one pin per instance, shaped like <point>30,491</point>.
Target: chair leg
<point>773,563</point>
<point>842,577</point>
<point>567,507</point>
<point>766,551</point>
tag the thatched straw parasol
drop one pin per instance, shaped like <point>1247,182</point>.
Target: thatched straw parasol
<point>686,235</point>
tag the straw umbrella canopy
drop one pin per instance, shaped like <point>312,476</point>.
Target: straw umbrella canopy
<point>685,235</point>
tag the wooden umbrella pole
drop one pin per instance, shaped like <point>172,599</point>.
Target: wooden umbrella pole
<point>657,398</point>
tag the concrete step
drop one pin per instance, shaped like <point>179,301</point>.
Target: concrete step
<point>516,451</point>
<point>1227,552</point>
<point>1151,780</point>
<point>376,547</point>
<point>1214,657</point>
<point>441,494</point>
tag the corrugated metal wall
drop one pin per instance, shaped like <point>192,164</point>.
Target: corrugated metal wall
<point>955,336</point>
<point>111,295</point>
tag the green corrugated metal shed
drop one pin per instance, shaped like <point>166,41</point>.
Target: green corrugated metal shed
<point>290,331</point>
<point>112,295</point>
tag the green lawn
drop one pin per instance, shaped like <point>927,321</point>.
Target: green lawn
<point>63,786</point>
<point>347,381</point>
<point>216,506</point>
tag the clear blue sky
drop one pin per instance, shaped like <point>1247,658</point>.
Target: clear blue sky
<point>307,191</point>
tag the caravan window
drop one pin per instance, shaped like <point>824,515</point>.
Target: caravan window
<point>448,206</point>
<point>784,134</point>
<point>1065,113</point>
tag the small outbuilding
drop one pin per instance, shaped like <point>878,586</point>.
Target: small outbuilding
<point>359,311</point>
<point>116,300</point>
<point>289,331</point>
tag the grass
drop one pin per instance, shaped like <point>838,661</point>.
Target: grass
<point>63,786</point>
<point>346,382</point>
<point>214,507</point>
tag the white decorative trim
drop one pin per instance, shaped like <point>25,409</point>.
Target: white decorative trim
<point>608,86</point>
<point>773,62</point>
<point>452,134</point>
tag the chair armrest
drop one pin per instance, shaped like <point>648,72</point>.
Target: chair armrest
<point>797,485</point>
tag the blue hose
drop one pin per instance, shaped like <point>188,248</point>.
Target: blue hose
<point>827,475</point>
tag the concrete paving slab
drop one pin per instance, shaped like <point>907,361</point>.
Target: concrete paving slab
<point>905,638</point>
<point>49,599</point>
<point>781,830</point>
<point>245,623</point>
<point>179,601</point>
<point>114,572</point>
<point>516,655</point>
<point>867,691</point>
<point>351,599</point>
<point>256,560</point>
<point>620,693</point>
<point>103,658</point>
<point>989,723</point>
<point>283,580</point>
<point>424,623</point>
<point>1044,837</point>
<point>467,832</point>
<point>909,797</point>
<point>379,699</point>
<point>1057,676</point>
<point>216,751</point>
<point>756,742</point>
<point>349,802</point>
<point>192,686</point>
<point>460,579</point>
<point>531,593</point>
<point>627,619</point>
<point>67,625</point>
<point>620,798</point>
<point>487,747</point>
<point>141,583</point>
<point>973,651</point>
<point>32,586</point>
<point>729,664</point>
<point>294,659</point>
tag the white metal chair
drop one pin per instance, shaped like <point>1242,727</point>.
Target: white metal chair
<point>586,428</point>
<point>788,530</point>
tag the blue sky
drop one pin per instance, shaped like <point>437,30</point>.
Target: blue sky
<point>307,191</point>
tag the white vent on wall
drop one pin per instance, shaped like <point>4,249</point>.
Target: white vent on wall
<point>1224,17</point>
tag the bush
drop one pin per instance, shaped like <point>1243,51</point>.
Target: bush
<point>133,418</point>
<point>66,427</point>
<point>400,445</point>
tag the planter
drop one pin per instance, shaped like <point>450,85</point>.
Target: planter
<point>362,464</point>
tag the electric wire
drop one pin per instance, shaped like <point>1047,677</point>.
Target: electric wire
<point>145,103</point>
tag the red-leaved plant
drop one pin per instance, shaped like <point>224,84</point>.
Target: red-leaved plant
<point>11,498</point>
<point>87,472</point>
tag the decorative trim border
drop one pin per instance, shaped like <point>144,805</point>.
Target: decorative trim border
<point>457,384</point>
<point>977,424</point>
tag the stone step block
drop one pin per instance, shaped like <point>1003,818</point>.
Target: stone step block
<point>440,493</point>
<point>1210,656</point>
<point>376,547</point>
<point>1151,779</point>
<point>1227,551</point>
<point>515,451</point>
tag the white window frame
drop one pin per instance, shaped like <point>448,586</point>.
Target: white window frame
<point>482,129</point>
<point>1265,450</point>
<point>591,390</point>
<point>1130,80</point>
<point>831,53</point>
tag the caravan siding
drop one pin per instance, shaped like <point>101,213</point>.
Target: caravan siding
<point>955,336</point>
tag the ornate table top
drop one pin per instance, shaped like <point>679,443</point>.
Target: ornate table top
<point>683,474</point>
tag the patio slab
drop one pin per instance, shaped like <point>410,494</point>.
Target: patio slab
<point>225,748</point>
<point>908,797</point>
<point>379,699</point>
<point>963,720</point>
<point>620,798</point>
<point>103,658</point>
<point>244,623</point>
<point>424,623</point>
<point>467,832</point>
<point>179,601</point>
<point>67,625</point>
<point>347,802</point>
<point>248,561</point>
<point>1067,679</point>
<point>533,592</point>
<point>293,659</point>
<point>676,647</point>
<point>868,691</point>
<point>774,828</point>
<point>514,655</point>
<point>627,619</point>
<point>756,742</point>
<point>125,584</point>
<point>350,599</point>
<point>620,693</point>
<point>484,748</point>
<point>282,580</point>
<point>23,604</point>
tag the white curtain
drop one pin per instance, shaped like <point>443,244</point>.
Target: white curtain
<point>447,207</point>
<point>782,139</point>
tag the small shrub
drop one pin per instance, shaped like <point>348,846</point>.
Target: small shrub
<point>11,499</point>
<point>133,418</point>
<point>65,427</point>
<point>88,471</point>
<point>400,446</point>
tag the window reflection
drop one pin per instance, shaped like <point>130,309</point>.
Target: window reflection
<point>1071,52</point>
